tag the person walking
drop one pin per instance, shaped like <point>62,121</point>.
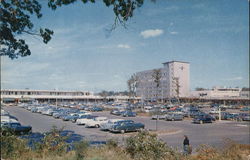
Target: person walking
<point>186,146</point>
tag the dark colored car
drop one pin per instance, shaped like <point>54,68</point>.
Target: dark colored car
<point>127,126</point>
<point>96,109</point>
<point>205,115</point>
<point>232,116</point>
<point>203,119</point>
<point>223,115</point>
<point>15,128</point>
<point>129,114</point>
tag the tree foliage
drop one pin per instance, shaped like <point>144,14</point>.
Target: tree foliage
<point>157,77</point>
<point>132,85</point>
<point>146,146</point>
<point>16,20</point>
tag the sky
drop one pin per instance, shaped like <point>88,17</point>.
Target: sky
<point>212,35</point>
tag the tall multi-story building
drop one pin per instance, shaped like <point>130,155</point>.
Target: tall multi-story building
<point>174,82</point>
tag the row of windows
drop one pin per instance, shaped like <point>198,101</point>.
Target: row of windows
<point>44,93</point>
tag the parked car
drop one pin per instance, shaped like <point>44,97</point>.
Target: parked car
<point>8,119</point>
<point>233,116</point>
<point>96,122</point>
<point>214,111</point>
<point>116,112</point>
<point>107,126</point>
<point>129,114</point>
<point>223,115</point>
<point>70,116</point>
<point>202,119</point>
<point>96,109</point>
<point>174,117</point>
<point>127,126</point>
<point>85,119</point>
<point>15,128</point>
<point>155,117</point>
<point>245,109</point>
<point>245,117</point>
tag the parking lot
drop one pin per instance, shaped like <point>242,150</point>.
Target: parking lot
<point>169,131</point>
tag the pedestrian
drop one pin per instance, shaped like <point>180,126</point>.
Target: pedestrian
<point>186,146</point>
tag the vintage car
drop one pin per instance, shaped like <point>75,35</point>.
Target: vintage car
<point>174,117</point>
<point>161,116</point>
<point>129,114</point>
<point>127,126</point>
<point>96,122</point>
<point>245,117</point>
<point>116,112</point>
<point>202,119</point>
<point>15,128</point>
<point>84,119</point>
<point>107,126</point>
<point>96,109</point>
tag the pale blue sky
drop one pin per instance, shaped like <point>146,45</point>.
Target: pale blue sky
<point>213,35</point>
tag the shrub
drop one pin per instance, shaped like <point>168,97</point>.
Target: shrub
<point>106,153</point>
<point>80,149</point>
<point>112,143</point>
<point>53,143</point>
<point>12,147</point>
<point>146,146</point>
<point>230,151</point>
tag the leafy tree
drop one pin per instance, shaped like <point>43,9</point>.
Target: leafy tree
<point>177,86</point>
<point>157,79</point>
<point>132,85</point>
<point>16,20</point>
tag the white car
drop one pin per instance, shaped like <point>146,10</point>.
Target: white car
<point>107,126</point>
<point>214,111</point>
<point>7,119</point>
<point>96,122</point>
<point>84,119</point>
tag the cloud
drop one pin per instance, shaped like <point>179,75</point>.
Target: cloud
<point>173,32</point>
<point>126,46</point>
<point>151,33</point>
<point>234,78</point>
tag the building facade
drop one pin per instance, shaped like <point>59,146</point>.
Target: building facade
<point>14,95</point>
<point>221,92</point>
<point>174,82</point>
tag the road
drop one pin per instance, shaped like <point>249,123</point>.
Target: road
<point>211,134</point>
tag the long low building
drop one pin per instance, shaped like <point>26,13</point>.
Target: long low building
<point>14,95</point>
<point>220,93</point>
<point>10,95</point>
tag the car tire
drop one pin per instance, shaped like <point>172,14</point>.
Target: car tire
<point>122,131</point>
<point>201,122</point>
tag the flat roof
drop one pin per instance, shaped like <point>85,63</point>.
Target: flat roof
<point>33,90</point>
<point>174,61</point>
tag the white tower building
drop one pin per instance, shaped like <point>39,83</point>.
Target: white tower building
<point>174,82</point>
